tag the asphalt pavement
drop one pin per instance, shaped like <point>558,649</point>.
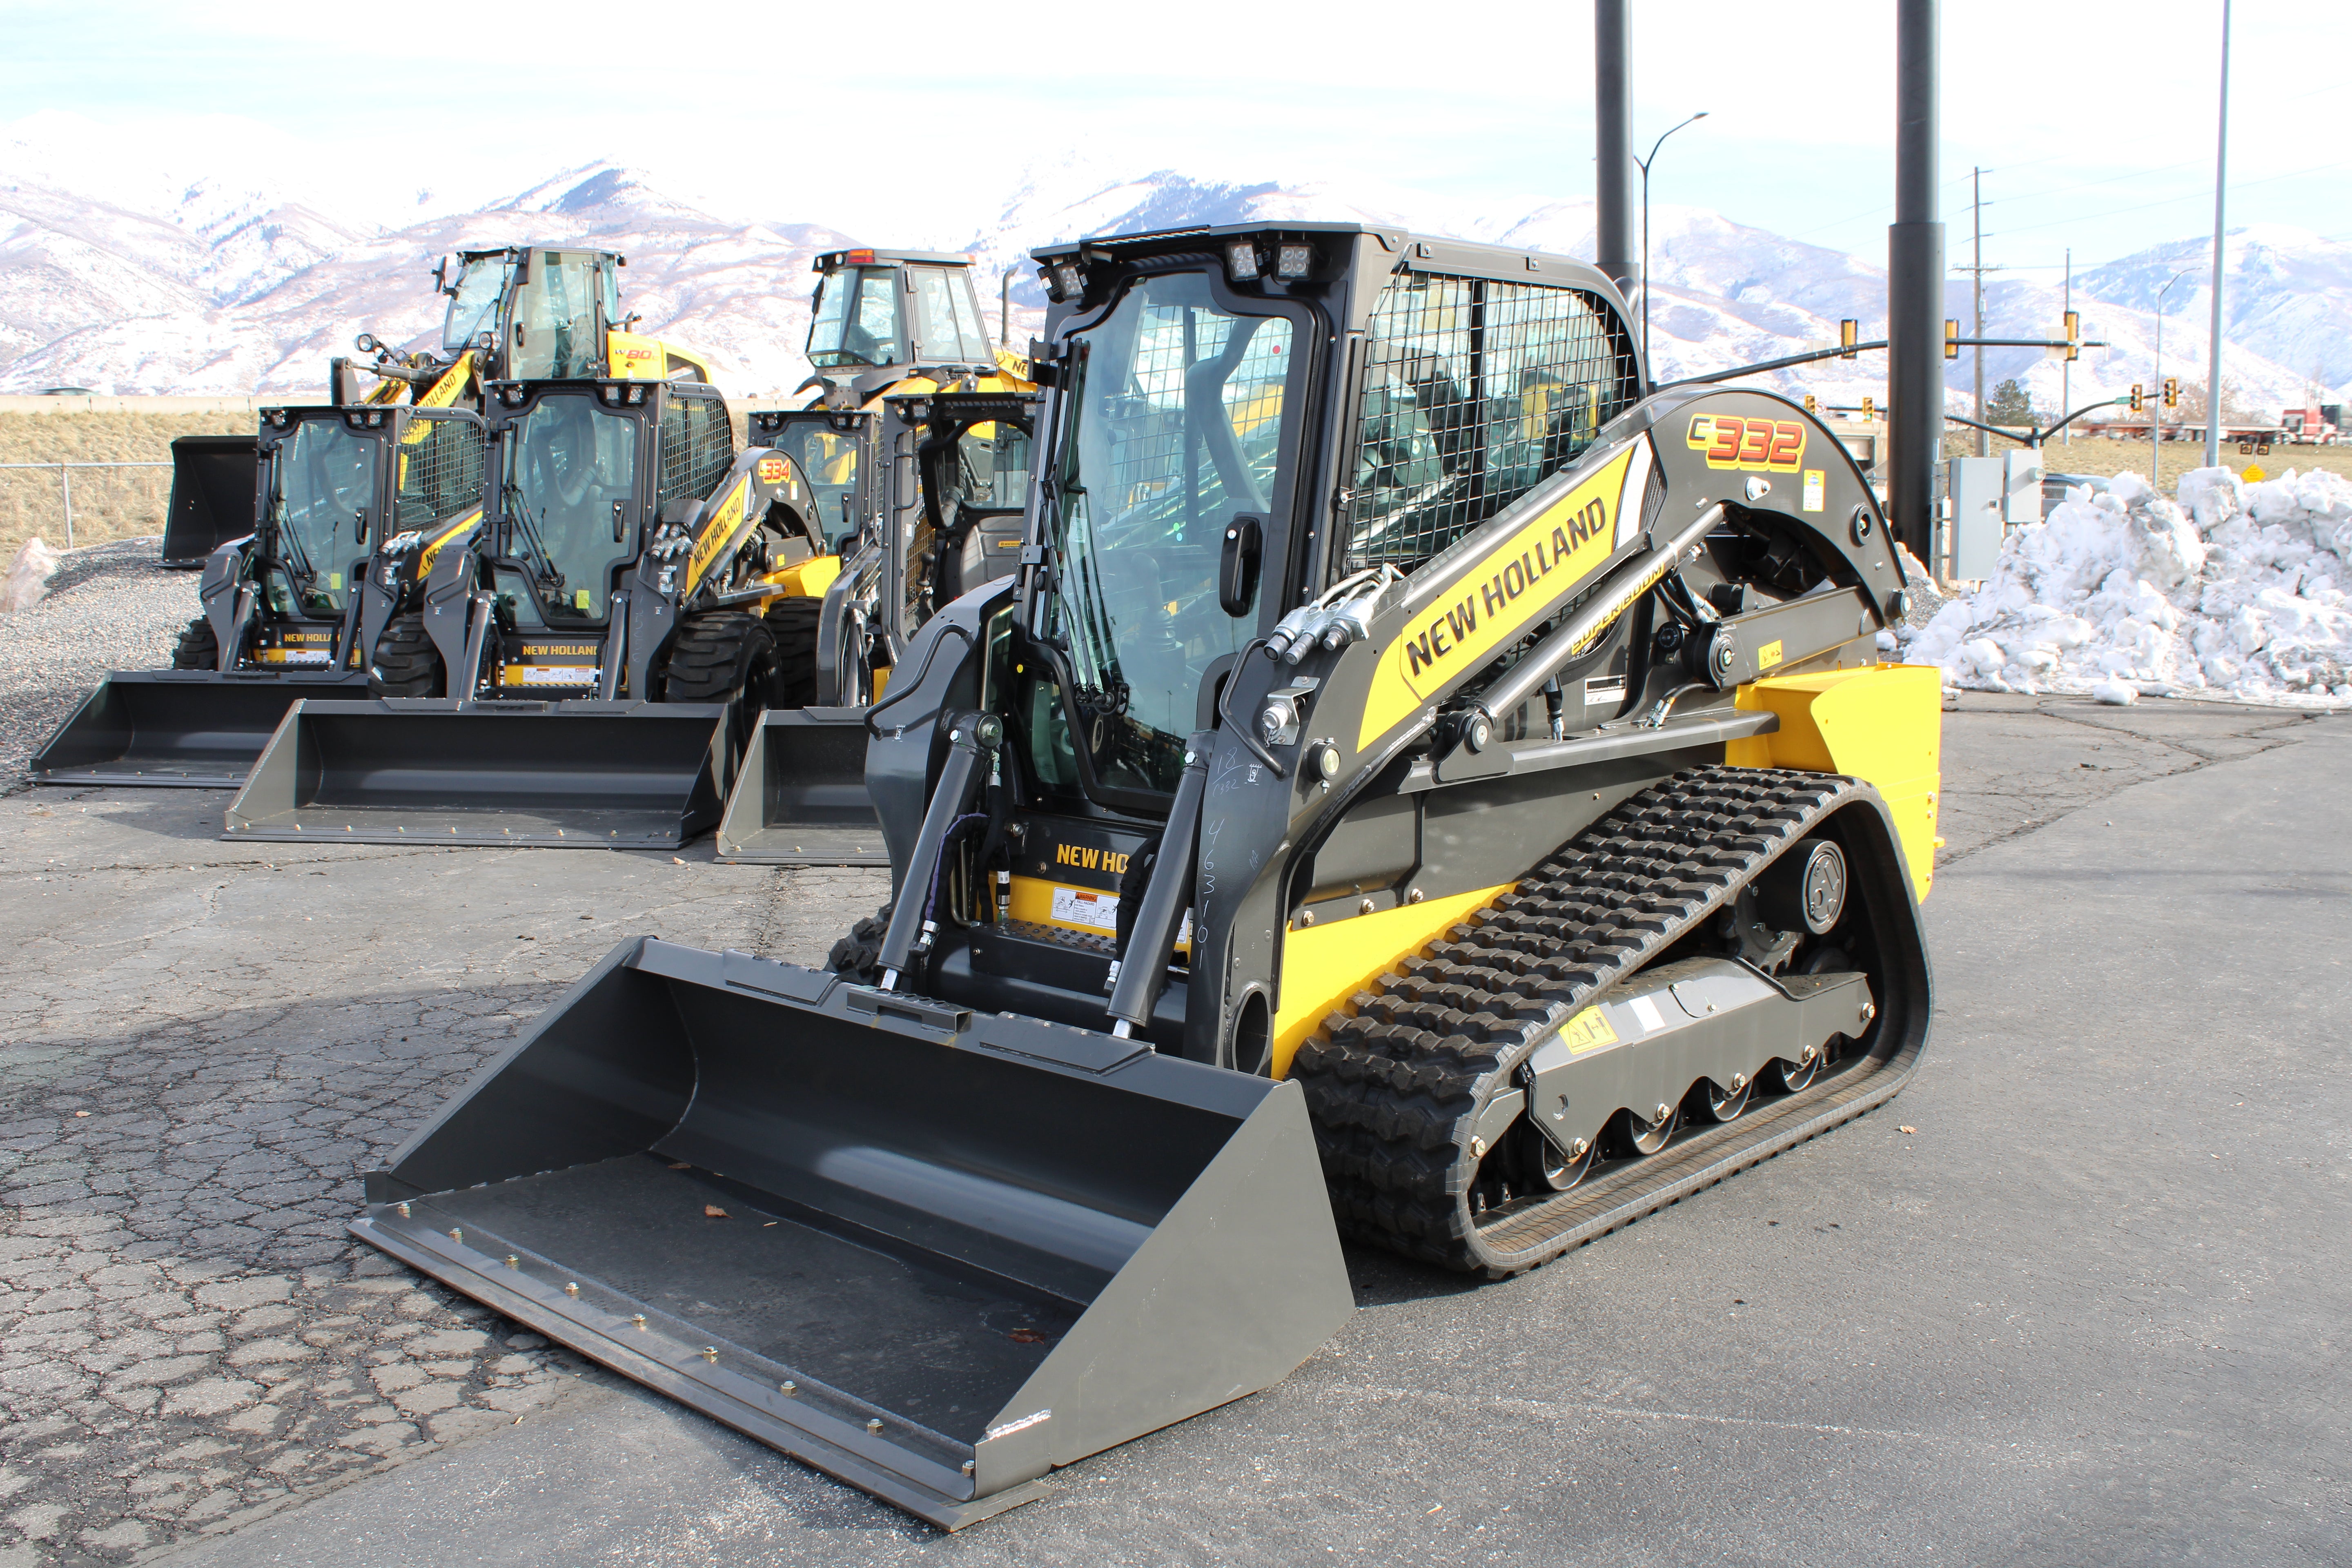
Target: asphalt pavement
<point>2078,1294</point>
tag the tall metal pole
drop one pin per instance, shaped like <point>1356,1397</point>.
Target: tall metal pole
<point>1612,186</point>
<point>2220,185</point>
<point>1914,286</point>
<point>1976,219</point>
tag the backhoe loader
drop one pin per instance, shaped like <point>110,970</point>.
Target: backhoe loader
<point>583,671</point>
<point>1420,785</point>
<point>291,608</point>
<point>518,313</point>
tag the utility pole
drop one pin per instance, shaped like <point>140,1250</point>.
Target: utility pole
<point>2066,366</point>
<point>2220,185</point>
<point>1613,184</point>
<point>2156,393</point>
<point>1976,181</point>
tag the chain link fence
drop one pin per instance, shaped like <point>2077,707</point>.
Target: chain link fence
<point>81,503</point>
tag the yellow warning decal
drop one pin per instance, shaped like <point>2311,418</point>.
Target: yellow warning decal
<point>1768,655</point>
<point>1492,605</point>
<point>1588,1031</point>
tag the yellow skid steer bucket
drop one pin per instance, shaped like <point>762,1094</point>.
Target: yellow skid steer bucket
<point>932,1253</point>
<point>579,775</point>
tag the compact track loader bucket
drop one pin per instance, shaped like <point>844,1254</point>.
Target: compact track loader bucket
<point>212,496</point>
<point>586,776</point>
<point>929,1252</point>
<point>194,728</point>
<point>799,799</point>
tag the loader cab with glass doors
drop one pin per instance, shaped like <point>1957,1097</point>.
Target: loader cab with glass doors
<point>880,316</point>
<point>538,313</point>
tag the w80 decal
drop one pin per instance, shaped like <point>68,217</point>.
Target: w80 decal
<point>1731,442</point>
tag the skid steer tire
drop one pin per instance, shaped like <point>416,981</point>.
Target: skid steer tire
<point>198,648</point>
<point>406,664</point>
<point>793,623</point>
<point>721,656</point>
<point>859,955</point>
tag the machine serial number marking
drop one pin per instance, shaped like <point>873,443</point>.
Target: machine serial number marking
<point>1731,442</point>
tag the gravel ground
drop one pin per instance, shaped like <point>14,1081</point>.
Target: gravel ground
<point>109,607</point>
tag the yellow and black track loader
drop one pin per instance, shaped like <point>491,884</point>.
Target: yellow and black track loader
<point>582,671</point>
<point>293,608</point>
<point>1419,786</point>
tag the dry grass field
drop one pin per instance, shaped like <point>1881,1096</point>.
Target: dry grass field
<point>123,504</point>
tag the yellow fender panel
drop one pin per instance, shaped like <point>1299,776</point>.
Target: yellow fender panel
<point>1883,724</point>
<point>1323,966</point>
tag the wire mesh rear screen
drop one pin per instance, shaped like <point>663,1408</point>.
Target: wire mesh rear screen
<point>1474,392</point>
<point>697,447</point>
<point>440,471</point>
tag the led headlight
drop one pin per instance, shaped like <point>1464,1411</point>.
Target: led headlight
<point>1293,261</point>
<point>1241,260</point>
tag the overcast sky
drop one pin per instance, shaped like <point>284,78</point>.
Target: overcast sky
<point>2094,121</point>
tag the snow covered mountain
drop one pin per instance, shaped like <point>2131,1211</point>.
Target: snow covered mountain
<point>147,283</point>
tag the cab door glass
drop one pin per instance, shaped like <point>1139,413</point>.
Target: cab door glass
<point>939,328</point>
<point>556,319</point>
<point>324,484</point>
<point>568,463</point>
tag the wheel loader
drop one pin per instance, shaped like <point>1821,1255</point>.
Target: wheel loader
<point>294,605</point>
<point>582,671</point>
<point>1421,786</point>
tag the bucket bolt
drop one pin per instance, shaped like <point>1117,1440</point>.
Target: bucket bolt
<point>458,1232</point>
<point>639,1319</point>
<point>571,1288</point>
<point>400,1209</point>
<point>709,1354</point>
<point>788,1388</point>
<point>513,1261</point>
<point>874,1424</point>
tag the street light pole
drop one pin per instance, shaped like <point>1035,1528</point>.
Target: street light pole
<point>1643,164</point>
<point>2221,186</point>
<point>2156,409</point>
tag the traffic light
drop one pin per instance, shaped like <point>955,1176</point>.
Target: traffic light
<point>2139,398</point>
<point>1951,338</point>
<point>1849,335</point>
<point>2172,391</point>
<point>1869,409</point>
<point>2074,334</point>
<point>1812,406</point>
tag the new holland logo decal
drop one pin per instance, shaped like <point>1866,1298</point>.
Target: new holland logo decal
<point>1491,606</point>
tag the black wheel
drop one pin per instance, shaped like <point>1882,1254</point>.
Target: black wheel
<point>859,955</point>
<point>198,648</point>
<point>406,663</point>
<point>724,655</point>
<point>794,624</point>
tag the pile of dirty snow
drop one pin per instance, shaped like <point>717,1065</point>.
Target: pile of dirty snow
<point>2235,592</point>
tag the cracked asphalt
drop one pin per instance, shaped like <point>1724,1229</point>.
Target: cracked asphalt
<point>202,1045</point>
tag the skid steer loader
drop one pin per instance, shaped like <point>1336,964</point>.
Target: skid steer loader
<point>940,480</point>
<point>583,671</point>
<point>1415,779</point>
<point>293,608</point>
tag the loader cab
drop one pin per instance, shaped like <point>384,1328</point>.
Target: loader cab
<point>333,486</point>
<point>959,523</point>
<point>545,314</point>
<point>580,472</point>
<point>832,447</point>
<point>878,315</point>
<point>1204,412</point>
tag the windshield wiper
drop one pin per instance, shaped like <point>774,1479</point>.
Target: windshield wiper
<point>519,507</point>
<point>290,542</point>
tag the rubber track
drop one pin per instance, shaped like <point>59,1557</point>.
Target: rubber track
<point>1394,1089</point>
